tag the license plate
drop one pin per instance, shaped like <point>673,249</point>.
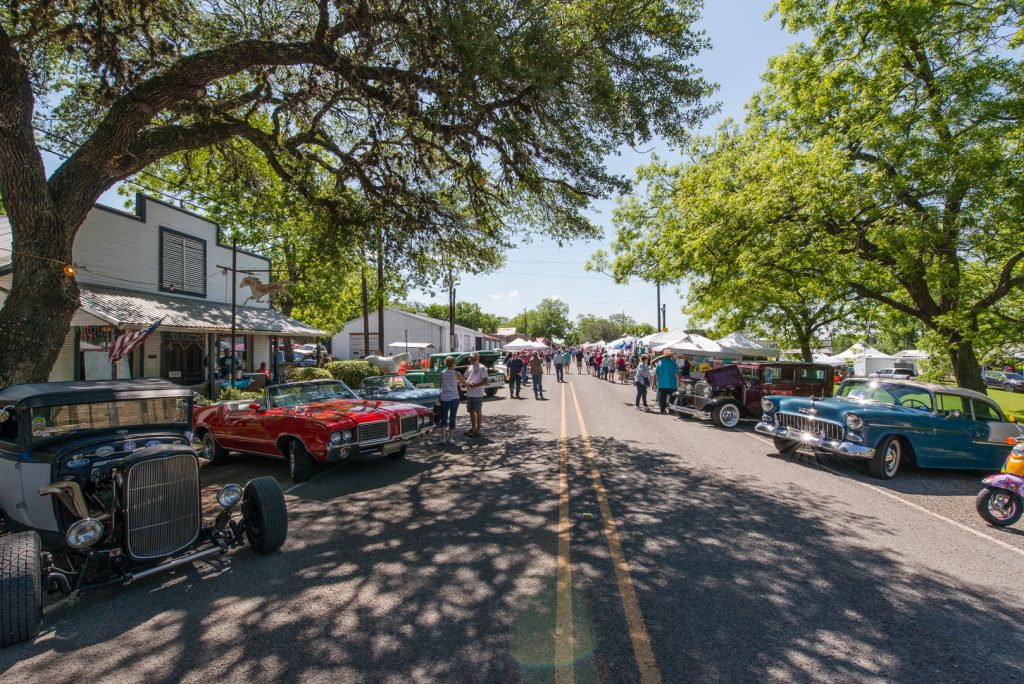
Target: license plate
<point>391,448</point>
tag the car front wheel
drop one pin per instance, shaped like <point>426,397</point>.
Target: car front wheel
<point>21,588</point>
<point>265,513</point>
<point>726,415</point>
<point>491,391</point>
<point>887,458</point>
<point>1007,387</point>
<point>785,447</point>
<point>300,462</point>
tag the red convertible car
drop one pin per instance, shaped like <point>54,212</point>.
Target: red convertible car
<point>319,420</point>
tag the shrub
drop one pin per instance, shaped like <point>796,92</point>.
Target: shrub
<point>232,394</point>
<point>351,373</point>
<point>299,373</point>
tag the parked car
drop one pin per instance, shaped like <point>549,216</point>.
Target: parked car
<point>1004,380</point>
<point>301,359</point>
<point>894,374</point>
<point>395,387</point>
<point>305,422</point>
<point>734,391</point>
<point>888,422</point>
<point>100,486</point>
<point>431,376</point>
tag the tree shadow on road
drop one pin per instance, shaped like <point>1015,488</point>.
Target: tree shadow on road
<point>438,567</point>
<point>739,583</point>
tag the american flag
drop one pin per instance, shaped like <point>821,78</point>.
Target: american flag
<point>124,344</point>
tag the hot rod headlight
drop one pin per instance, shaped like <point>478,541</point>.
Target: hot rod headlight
<point>767,405</point>
<point>84,533</point>
<point>853,421</point>
<point>229,495</point>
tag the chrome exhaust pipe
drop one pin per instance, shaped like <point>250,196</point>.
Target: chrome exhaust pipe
<point>174,563</point>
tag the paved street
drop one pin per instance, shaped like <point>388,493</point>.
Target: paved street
<point>580,541</point>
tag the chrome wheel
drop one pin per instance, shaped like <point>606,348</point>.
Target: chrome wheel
<point>1002,505</point>
<point>727,415</point>
<point>209,446</point>
<point>892,458</point>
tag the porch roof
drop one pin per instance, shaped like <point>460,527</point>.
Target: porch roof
<point>127,308</point>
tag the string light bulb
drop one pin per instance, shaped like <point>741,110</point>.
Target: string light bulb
<point>70,271</point>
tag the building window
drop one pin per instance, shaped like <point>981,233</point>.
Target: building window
<point>182,358</point>
<point>182,263</point>
<point>93,354</point>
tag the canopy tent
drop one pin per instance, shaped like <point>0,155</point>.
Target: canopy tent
<point>861,350</point>
<point>662,337</point>
<point>739,344</point>
<point>524,345</point>
<point>698,345</point>
<point>912,354</point>
<point>829,360</point>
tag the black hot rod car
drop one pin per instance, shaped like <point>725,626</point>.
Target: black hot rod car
<point>99,485</point>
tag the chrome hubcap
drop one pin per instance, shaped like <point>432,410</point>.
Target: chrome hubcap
<point>892,458</point>
<point>208,447</point>
<point>730,416</point>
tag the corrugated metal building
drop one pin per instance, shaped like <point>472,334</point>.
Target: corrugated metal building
<point>424,335</point>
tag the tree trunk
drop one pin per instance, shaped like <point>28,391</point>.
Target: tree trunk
<point>966,366</point>
<point>366,305</point>
<point>31,342</point>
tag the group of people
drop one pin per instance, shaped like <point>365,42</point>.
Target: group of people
<point>663,374</point>
<point>528,368</point>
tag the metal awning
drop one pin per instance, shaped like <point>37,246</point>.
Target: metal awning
<point>127,308</point>
<point>412,345</point>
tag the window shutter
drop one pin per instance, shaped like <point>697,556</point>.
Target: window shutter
<point>183,264</point>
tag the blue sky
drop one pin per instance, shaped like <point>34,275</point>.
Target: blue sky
<point>742,41</point>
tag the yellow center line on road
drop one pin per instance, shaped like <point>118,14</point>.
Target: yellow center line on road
<point>563,598</point>
<point>642,650</point>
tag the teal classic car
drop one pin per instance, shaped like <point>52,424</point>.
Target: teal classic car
<point>889,422</point>
<point>395,387</point>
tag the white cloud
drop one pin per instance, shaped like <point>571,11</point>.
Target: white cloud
<point>496,295</point>
<point>514,294</point>
<point>557,298</point>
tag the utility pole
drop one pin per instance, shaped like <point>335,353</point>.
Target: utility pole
<point>234,304</point>
<point>366,303</point>
<point>451,311</point>
<point>526,327</point>
<point>657,285</point>
<point>664,318</point>
<point>380,292</point>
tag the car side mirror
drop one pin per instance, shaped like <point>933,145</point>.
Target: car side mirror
<point>953,414</point>
<point>1012,419</point>
<point>256,407</point>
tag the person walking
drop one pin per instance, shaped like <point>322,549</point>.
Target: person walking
<point>559,367</point>
<point>579,362</point>
<point>451,381</point>
<point>476,382</point>
<point>547,362</point>
<point>667,372</point>
<point>515,377</point>
<point>537,371</point>
<point>524,358</point>
<point>642,380</point>
<point>567,359</point>
<point>620,368</point>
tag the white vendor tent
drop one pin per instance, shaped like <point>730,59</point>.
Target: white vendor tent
<point>829,360</point>
<point>524,345</point>
<point>858,351</point>
<point>740,345</point>
<point>911,355</point>
<point>697,345</point>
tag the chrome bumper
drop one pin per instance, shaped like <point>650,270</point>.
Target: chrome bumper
<point>498,383</point>
<point>690,411</point>
<point>814,441</point>
<point>335,454</point>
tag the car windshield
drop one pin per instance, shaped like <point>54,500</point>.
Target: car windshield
<point>889,393</point>
<point>54,421</point>
<point>1013,376</point>
<point>387,383</point>
<point>299,393</point>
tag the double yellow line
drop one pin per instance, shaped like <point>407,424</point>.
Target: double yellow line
<point>640,639</point>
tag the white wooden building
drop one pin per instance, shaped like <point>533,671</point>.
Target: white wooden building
<point>161,262</point>
<point>425,336</point>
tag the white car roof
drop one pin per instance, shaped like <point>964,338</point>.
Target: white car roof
<point>934,387</point>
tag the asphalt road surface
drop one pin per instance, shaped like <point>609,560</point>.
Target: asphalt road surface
<point>580,541</point>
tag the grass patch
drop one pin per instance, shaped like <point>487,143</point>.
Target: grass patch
<point>1011,402</point>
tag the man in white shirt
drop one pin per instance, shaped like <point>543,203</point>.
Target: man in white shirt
<point>476,383</point>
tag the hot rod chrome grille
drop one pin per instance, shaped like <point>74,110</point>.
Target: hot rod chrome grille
<point>410,423</point>
<point>812,426</point>
<point>162,507</point>
<point>373,432</point>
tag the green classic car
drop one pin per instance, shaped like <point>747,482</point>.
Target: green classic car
<point>431,376</point>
